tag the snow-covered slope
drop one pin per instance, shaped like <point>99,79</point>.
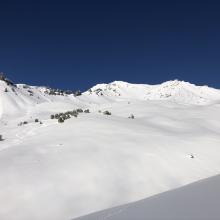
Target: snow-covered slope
<point>176,91</point>
<point>15,99</point>
<point>197,201</point>
<point>52,170</point>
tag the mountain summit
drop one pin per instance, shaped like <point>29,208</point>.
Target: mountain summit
<point>176,91</point>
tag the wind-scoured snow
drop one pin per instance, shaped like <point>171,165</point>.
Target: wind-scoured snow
<point>59,171</point>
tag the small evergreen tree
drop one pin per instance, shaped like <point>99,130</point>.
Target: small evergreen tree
<point>60,120</point>
<point>79,110</point>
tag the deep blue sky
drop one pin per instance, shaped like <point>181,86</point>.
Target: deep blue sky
<point>76,44</point>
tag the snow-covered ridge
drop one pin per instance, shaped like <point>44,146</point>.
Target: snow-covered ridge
<point>177,91</point>
<point>16,98</point>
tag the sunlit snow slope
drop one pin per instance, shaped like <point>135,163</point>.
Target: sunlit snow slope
<point>59,171</point>
<point>197,201</point>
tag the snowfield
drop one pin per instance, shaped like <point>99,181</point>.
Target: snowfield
<point>197,201</point>
<point>58,171</point>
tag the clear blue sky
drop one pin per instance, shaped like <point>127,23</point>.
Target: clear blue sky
<point>76,44</point>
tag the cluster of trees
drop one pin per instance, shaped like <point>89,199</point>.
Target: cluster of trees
<point>51,91</point>
<point>61,117</point>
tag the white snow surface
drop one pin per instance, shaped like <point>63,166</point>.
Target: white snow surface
<point>196,201</point>
<point>54,171</point>
<point>176,91</point>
